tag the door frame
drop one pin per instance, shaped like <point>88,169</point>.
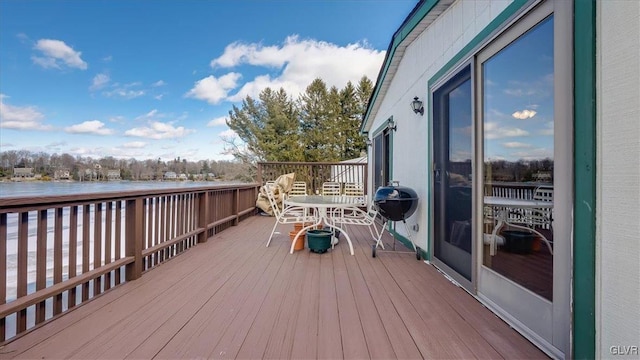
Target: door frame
<point>557,315</point>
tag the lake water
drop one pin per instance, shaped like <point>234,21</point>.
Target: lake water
<point>44,188</point>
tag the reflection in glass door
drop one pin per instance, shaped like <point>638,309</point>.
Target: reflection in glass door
<point>518,160</point>
<point>523,171</point>
<point>452,174</point>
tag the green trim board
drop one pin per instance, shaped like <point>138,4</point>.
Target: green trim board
<point>412,20</point>
<point>382,127</point>
<point>584,228</point>
<point>482,36</point>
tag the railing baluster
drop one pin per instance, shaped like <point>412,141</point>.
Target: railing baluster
<point>3,272</point>
<point>41,262</point>
<point>156,234</point>
<point>118,230</point>
<point>148,208</point>
<point>57,257</point>
<point>108,224</point>
<point>23,253</point>
<point>73,253</point>
<point>97,246</point>
<point>86,238</point>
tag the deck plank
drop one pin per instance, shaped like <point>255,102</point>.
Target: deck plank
<point>232,297</point>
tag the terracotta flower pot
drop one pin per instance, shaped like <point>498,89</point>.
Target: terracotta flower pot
<point>300,242</point>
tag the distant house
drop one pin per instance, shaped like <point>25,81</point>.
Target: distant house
<point>183,176</point>
<point>170,175</point>
<point>113,175</point>
<point>62,175</point>
<point>542,176</point>
<point>211,176</point>
<point>23,173</point>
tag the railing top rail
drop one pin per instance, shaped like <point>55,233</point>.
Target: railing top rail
<point>530,185</point>
<point>9,204</point>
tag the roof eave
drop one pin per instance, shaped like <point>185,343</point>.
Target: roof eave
<point>422,15</point>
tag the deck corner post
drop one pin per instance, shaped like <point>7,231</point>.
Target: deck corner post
<point>203,216</point>
<point>134,237</point>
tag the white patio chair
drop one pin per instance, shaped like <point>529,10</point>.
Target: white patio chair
<point>331,188</point>
<point>542,217</point>
<point>355,190</point>
<point>299,188</point>
<point>286,215</point>
<point>359,217</point>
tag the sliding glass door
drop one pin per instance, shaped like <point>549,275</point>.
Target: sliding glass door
<point>452,175</point>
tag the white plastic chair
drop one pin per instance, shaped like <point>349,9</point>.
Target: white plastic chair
<point>288,215</point>
<point>299,188</point>
<point>331,188</point>
<point>355,190</point>
<point>542,217</point>
<point>359,217</point>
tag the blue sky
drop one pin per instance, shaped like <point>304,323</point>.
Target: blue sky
<point>155,79</point>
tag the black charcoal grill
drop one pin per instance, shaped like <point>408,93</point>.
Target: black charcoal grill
<point>396,203</point>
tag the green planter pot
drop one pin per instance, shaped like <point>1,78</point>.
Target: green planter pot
<point>319,241</point>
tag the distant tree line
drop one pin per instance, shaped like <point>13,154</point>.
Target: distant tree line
<point>130,169</point>
<point>519,171</point>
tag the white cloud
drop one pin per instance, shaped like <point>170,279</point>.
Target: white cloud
<point>493,130</point>
<point>219,121</point>
<point>99,81</point>
<point>150,115</point>
<point>95,127</point>
<point>125,93</point>
<point>516,145</point>
<point>535,154</point>
<point>158,83</point>
<point>135,145</point>
<point>56,145</point>
<point>117,119</point>
<point>56,53</point>
<point>524,114</point>
<point>228,134</point>
<point>20,117</point>
<point>297,62</point>
<point>159,130</point>
<point>212,89</point>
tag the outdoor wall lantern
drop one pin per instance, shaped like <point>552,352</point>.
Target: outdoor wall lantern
<point>369,142</point>
<point>416,105</point>
<point>391,125</point>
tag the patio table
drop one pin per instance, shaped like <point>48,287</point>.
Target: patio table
<point>504,205</point>
<point>321,204</point>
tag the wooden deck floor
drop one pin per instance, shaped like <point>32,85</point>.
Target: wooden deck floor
<point>234,298</point>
